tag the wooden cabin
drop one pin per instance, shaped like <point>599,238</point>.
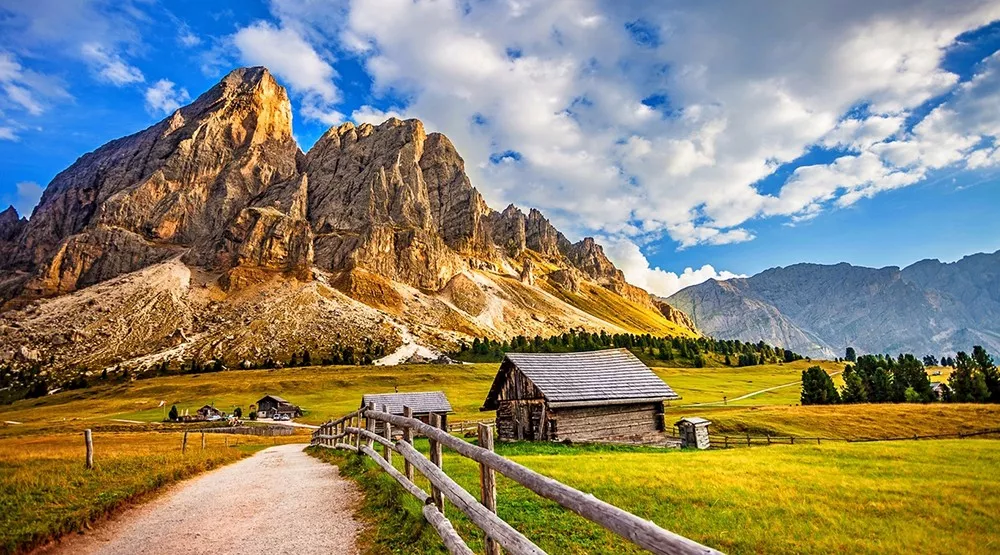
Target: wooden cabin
<point>270,405</point>
<point>423,403</point>
<point>209,411</point>
<point>607,395</point>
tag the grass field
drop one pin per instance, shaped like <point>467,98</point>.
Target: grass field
<point>898,497</point>
<point>46,491</point>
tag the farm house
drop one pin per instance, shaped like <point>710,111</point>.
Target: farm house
<point>271,405</point>
<point>423,403</point>
<point>607,395</point>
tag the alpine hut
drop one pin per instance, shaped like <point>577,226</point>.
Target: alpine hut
<point>423,404</point>
<point>607,395</point>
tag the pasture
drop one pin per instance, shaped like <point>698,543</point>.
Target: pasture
<point>894,497</point>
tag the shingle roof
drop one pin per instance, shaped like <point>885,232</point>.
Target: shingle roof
<point>608,375</point>
<point>420,402</point>
<point>275,397</point>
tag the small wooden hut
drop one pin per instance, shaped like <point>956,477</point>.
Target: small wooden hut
<point>271,405</point>
<point>694,432</point>
<point>423,403</point>
<point>604,395</point>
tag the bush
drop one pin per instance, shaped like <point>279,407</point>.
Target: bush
<point>173,413</point>
<point>253,415</point>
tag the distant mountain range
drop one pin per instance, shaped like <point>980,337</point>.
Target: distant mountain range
<point>819,310</point>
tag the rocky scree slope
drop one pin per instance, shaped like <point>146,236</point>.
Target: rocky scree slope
<point>211,234</point>
<point>929,307</point>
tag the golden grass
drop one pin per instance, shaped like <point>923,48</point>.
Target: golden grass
<point>618,310</point>
<point>46,491</point>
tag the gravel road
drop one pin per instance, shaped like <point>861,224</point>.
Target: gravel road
<point>281,500</point>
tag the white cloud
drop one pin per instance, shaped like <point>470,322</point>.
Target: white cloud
<point>186,38</point>
<point>27,195</point>
<point>8,134</point>
<point>743,89</point>
<point>163,98</point>
<point>25,89</point>
<point>109,66</point>
<point>297,63</point>
<point>374,116</point>
<point>626,255</point>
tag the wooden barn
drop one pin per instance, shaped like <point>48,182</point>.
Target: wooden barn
<point>604,395</point>
<point>423,403</point>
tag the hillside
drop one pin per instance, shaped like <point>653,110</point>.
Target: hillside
<point>929,307</point>
<point>211,235</point>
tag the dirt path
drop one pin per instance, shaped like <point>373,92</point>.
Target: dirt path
<point>281,500</point>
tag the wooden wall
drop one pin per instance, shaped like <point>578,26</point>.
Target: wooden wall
<point>605,422</point>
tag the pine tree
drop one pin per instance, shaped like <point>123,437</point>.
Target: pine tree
<point>173,413</point>
<point>851,355</point>
<point>818,388</point>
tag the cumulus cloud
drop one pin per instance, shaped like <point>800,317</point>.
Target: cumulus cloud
<point>109,67</point>
<point>626,255</point>
<point>285,52</point>
<point>163,98</point>
<point>25,89</point>
<point>27,194</point>
<point>667,130</point>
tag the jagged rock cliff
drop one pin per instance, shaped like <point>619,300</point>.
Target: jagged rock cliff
<point>925,308</point>
<point>215,207</point>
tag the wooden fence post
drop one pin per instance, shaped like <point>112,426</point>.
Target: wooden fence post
<point>387,428</point>
<point>370,426</point>
<point>488,483</point>
<point>88,439</point>
<point>203,441</point>
<point>748,440</point>
<point>408,438</point>
<point>357,435</point>
<point>435,446</point>
<point>184,443</point>
<point>727,441</point>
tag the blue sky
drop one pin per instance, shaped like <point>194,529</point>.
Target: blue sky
<point>681,135</point>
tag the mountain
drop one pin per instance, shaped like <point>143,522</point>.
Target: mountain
<point>927,308</point>
<point>212,234</point>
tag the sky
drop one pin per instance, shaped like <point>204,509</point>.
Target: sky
<point>695,140</point>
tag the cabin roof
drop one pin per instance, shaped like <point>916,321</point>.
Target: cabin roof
<point>421,402</point>
<point>592,377</point>
<point>272,397</point>
<point>696,420</point>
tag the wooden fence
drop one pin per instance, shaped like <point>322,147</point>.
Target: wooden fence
<point>468,425</point>
<point>266,431</point>
<point>356,432</point>
<point>746,440</point>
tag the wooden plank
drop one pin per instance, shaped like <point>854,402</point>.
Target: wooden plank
<point>627,525</point>
<point>452,541</point>
<point>492,525</point>
<point>436,458</point>
<point>387,429</point>
<point>88,440</point>
<point>488,483</point>
<point>408,438</point>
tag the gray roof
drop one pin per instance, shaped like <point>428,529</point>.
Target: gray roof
<point>421,401</point>
<point>696,420</point>
<point>593,376</point>
<point>275,397</point>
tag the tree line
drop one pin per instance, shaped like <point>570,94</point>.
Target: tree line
<point>664,348</point>
<point>904,379</point>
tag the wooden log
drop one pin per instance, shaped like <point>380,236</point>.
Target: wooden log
<point>387,430</point>
<point>408,485</point>
<point>492,525</point>
<point>346,446</point>
<point>436,458</point>
<point>184,443</point>
<point>88,440</point>
<point>203,441</point>
<point>627,525</point>
<point>449,537</point>
<point>488,483</point>
<point>408,438</point>
<point>370,423</point>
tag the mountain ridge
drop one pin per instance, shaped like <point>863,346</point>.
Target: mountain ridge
<point>928,307</point>
<point>216,206</point>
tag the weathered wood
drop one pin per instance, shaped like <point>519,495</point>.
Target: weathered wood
<point>449,537</point>
<point>88,440</point>
<point>627,525</point>
<point>387,429</point>
<point>408,485</point>
<point>488,483</point>
<point>408,438</point>
<point>436,456</point>
<point>203,441</point>
<point>184,443</point>
<point>511,540</point>
<point>370,424</point>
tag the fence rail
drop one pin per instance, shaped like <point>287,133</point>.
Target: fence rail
<point>356,432</point>
<point>746,440</point>
<point>266,431</point>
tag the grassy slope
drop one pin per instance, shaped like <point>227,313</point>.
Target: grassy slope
<point>615,309</point>
<point>45,491</point>
<point>885,497</point>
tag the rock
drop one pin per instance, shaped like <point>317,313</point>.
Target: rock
<point>528,272</point>
<point>566,279</point>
